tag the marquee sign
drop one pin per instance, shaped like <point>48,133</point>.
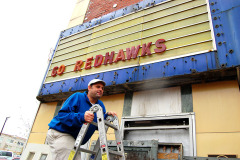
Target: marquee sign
<point>109,59</point>
<point>168,30</point>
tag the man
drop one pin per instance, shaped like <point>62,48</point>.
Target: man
<point>64,128</point>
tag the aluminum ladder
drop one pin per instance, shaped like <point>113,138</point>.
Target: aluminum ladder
<point>101,143</point>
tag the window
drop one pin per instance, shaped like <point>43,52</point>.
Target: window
<point>43,157</point>
<point>5,147</point>
<point>30,156</point>
<point>19,149</point>
<point>159,101</point>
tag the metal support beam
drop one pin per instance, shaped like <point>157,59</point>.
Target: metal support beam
<point>238,76</point>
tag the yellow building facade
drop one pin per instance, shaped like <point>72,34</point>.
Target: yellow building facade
<point>216,106</point>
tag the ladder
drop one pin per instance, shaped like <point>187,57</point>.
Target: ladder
<point>101,143</point>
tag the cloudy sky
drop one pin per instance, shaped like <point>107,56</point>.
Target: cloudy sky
<point>29,30</point>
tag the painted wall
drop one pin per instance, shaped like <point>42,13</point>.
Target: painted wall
<point>40,127</point>
<point>217,110</point>
<point>78,14</point>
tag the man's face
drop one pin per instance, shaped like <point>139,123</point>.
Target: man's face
<point>96,90</point>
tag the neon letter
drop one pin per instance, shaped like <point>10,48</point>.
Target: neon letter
<point>120,56</point>
<point>109,58</point>
<point>54,71</point>
<point>61,69</point>
<point>133,52</point>
<point>146,49</point>
<point>159,44</point>
<point>78,65</point>
<point>98,60</point>
<point>89,63</point>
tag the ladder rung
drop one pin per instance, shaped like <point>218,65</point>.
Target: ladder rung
<point>111,125</point>
<point>94,123</point>
<point>107,123</point>
<point>87,151</point>
<point>115,152</point>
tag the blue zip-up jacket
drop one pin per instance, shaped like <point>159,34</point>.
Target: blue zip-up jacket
<point>70,118</point>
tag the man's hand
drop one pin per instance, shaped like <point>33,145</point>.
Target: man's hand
<point>88,116</point>
<point>112,113</point>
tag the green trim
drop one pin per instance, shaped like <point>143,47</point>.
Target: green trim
<point>59,106</point>
<point>127,104</point>
<point>186,99</point>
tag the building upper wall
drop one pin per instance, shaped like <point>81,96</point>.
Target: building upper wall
<point>86,10</point>
<point>79,12</point>
<point>98,8</point>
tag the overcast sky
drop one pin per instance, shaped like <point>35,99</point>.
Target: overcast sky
<point>29,29</point>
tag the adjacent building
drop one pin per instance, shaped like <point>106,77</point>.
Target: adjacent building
<point>170,66</point>
<point>12,143</point>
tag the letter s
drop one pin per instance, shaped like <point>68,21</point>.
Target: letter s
<point>160,45</point>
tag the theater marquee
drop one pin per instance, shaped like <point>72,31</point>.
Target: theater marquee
<point>168,30</point>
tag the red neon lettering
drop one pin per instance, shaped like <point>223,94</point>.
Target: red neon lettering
<point>120,56</point>
<point>109,58</point>
<point>61,69</point>
<point>159,44</point>
<point>133,52</point>
<point>98,60</point>
<point>89,63</point>
<point>146,49</point>
<point>78,65</point>
<point>54,71</point>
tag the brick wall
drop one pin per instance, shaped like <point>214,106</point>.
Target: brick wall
<point>98,8</point>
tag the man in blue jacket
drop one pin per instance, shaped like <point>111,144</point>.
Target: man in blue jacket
<point>64,128</point>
